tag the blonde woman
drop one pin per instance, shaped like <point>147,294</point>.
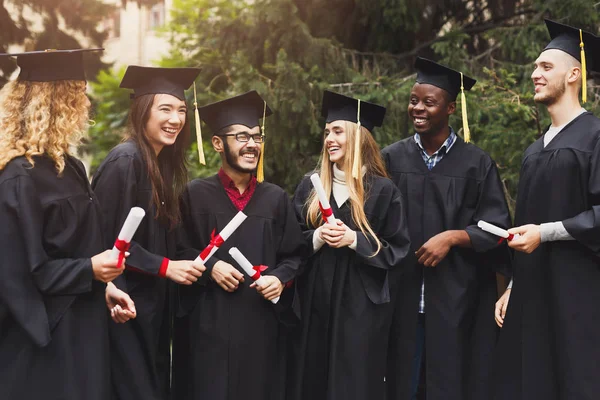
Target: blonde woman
<point>53,273</point>
<point>345,288</point>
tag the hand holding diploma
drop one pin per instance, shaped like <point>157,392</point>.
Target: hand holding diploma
<point>217,241</point>
<point>265,283</point>
<point>494,230</point>
<point>132,222</point>
<point>326,211</point>
<point>527,238</point>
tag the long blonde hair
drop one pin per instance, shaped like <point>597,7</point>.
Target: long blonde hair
<point>42,118</point>
<point>370,158</point>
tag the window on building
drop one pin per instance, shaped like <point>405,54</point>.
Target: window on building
<point>157,15</point>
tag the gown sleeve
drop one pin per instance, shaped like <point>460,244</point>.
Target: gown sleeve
<point>585,226</point>
<point>300,195</point>
<point>393,232</point>
<point>291,246</point>
<point>19,294</point>
<point>116,186</point>
<point>491,207</point>
<point>188,233</point>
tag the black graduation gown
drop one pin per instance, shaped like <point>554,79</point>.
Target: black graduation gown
<point>460,293</point>
<point>53,316</point>
<point>548,347</point>
<point>346,308</point>
<point>140,348</point>
<point>231,346</point>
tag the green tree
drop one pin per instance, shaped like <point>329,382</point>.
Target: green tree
<point>63,22</point>
<point>291,50</point>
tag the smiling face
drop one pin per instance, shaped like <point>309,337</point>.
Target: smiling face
<point>242,157</point>
<point>429,108</point>
<point>553,69</point>
<point>336,139</point>
<point>166,120</point>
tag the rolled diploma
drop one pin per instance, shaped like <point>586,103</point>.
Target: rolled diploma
<point>132,222</point>
<point>248,267</point>
<point>494,230</point>
<point>318,185</point>
<point>225,233</point>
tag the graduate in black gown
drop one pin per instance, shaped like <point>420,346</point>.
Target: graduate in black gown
<point>230,340</point>
<point>148,170</point>
<point>443,325</point>
<point>340,351</point>
<point>548,347</point>
<point>53,318</point>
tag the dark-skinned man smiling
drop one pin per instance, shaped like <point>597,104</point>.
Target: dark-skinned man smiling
<point>443,330</point>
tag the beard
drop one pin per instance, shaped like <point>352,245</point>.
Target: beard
<point>553,93</point>
<point>233,159</point>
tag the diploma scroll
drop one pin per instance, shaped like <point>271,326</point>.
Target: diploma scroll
<point>251,270</point>
<point>217,241</point>
<point>326,211</point>
<point>132,222</point>
<point>494,230</point>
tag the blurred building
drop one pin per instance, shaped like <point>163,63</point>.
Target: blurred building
<point>133,33</point>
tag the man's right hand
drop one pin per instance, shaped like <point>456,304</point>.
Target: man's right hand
<point>501,306</point>
<point>185,272</point>
<point>226,276</point>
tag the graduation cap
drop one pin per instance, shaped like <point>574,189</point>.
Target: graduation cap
<point>453,82</point>
<point>173,81</point>
<point>573,41</point>
<point>245,109</point>
<point>51,65</point>
<point>339,107</point>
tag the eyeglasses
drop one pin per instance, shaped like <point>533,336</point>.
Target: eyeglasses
<point>245,137</point>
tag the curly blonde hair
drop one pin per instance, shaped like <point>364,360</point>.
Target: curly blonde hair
<point>42,118</point>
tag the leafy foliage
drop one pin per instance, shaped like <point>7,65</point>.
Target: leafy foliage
<point>78,17</point>
<point>291,50</point>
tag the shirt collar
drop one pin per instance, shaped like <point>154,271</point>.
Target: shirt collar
<point>228,182</point>
<point>448,143</point>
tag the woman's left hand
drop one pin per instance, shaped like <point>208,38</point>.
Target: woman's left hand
<point>342,240</point>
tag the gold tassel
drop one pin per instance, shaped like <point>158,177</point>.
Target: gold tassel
<point>198,129</point>
<point>356,173</point>
<point>260,170</point>
<point>583,69</point>
<point>463,100</point>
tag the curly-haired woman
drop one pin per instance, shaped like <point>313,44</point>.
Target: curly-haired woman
<point>53,273</point>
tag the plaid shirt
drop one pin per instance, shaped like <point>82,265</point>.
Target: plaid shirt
<point>431,161</point>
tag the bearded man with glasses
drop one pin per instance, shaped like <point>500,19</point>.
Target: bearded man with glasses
<point>230,340</point>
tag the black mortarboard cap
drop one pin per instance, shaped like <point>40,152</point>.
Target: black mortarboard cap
<point>432,73</point>
<point>453,82</point>
<point>245,109</point>
<point>153,80</point>
<point>51,65</point>
<point>339,107</point>
<point>568,39</point>
<point>577,43</point>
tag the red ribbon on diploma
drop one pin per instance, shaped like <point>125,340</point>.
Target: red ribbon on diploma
<point>258,269</point>
<point>509,238</point>
<point>122,246</point>
<point>215,241</point>
<point>325,212</point>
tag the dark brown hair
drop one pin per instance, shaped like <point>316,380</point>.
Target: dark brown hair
<point>168,172</point>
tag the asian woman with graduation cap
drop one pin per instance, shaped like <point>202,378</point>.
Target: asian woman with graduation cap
<point>54,324</point>
<point>148,170</point>
<point>346,288</point>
